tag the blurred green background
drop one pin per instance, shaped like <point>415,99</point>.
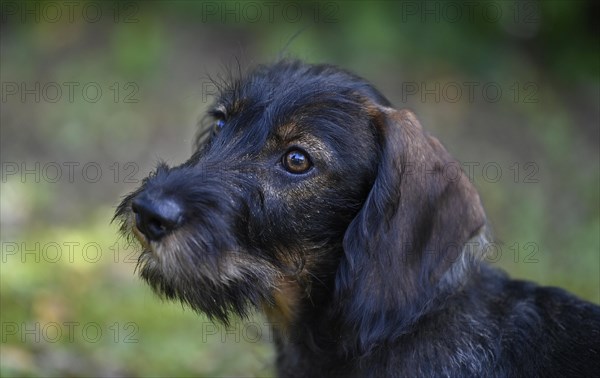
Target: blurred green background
<point>95,93</point>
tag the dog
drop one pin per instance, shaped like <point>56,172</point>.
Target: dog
<point>313,200</point>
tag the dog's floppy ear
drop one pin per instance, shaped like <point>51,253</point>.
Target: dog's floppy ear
<point>419,215</point>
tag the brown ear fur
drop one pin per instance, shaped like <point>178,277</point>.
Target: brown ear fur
<point>419,215</point>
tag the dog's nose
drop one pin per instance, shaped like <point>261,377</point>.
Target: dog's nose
<point>156,218</point>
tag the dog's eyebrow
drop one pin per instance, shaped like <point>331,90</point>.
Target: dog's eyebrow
<point>288,131</point>
<point>219,109</point>
<point>226,106</point>
<point>293,133</point>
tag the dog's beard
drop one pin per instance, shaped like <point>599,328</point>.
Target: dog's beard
<point>205,269</point>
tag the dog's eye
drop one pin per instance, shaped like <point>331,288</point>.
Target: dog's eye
<point>219,116</point>
<point>296,161</point>
<point>218,125</point>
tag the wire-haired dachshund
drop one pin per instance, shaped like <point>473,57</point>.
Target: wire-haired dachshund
<point>315,201</point>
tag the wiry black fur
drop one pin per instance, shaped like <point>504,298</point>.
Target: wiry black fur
<point>372,240</point>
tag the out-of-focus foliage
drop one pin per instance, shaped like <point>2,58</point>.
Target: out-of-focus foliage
<point>65,275</point>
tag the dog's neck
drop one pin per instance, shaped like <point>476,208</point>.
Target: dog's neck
<point>286,301</point>
<point>324,325</point>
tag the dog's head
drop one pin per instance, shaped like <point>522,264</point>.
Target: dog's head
<point>308,179</point>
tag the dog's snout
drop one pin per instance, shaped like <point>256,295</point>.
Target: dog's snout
<point>156,217</point>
